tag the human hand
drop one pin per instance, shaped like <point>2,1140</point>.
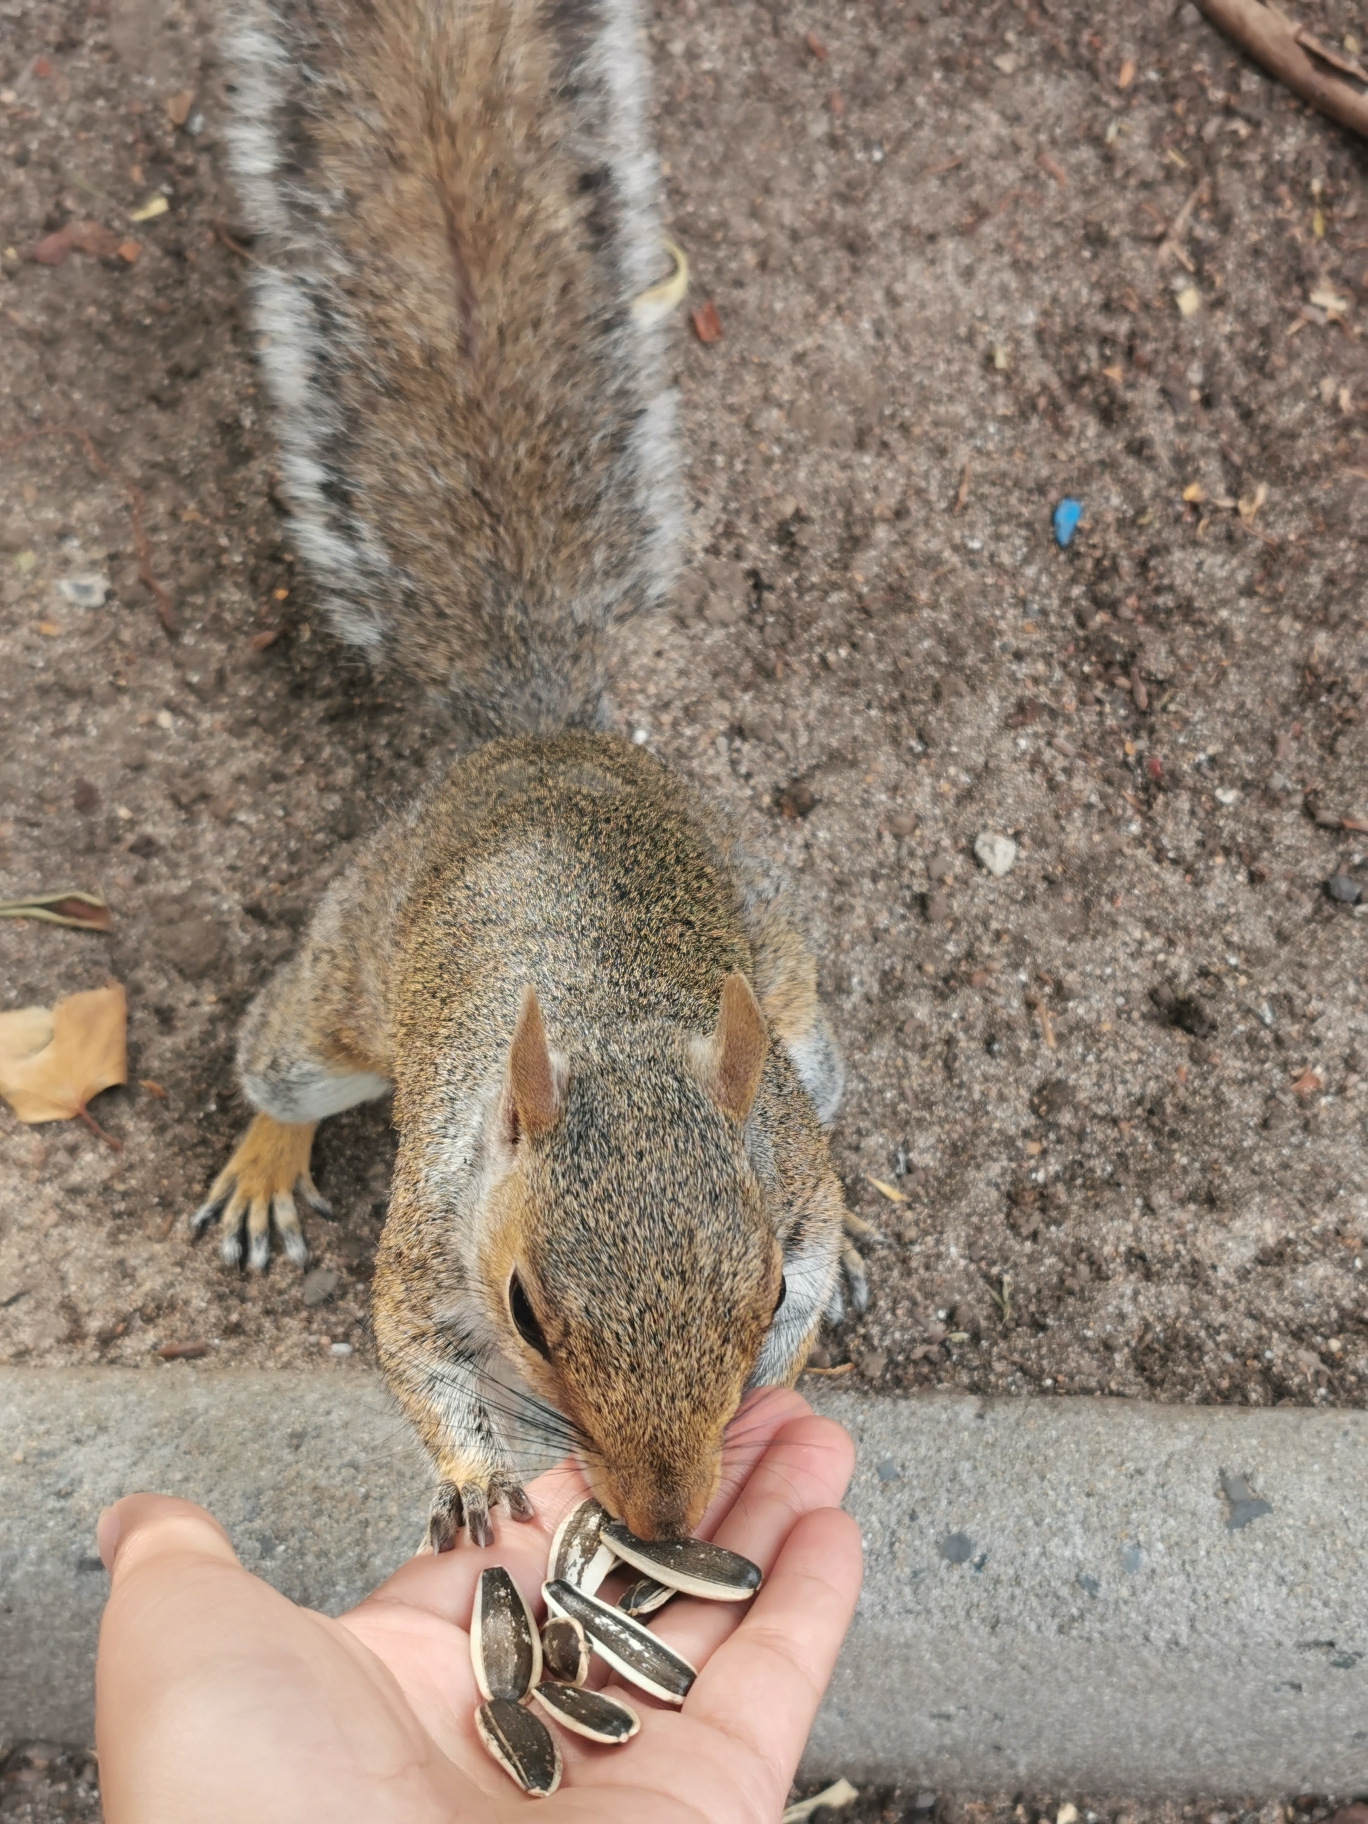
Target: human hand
<point>217,1699</point>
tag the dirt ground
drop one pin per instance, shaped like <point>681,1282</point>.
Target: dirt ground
<point>968,260</point>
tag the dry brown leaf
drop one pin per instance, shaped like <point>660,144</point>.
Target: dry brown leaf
<point>815,45</point>
<point>80,911</point>
<point>53,1060</point>
<point>707,324</point>
<point>178,107</point>
<point>1125,76</point>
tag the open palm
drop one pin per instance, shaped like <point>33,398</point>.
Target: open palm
<point>219,1699</point>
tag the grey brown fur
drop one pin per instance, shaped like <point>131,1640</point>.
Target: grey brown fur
<point>454,211</point>
<point>610,1067</point>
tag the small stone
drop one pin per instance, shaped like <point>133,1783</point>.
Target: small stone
<point>937,908</point>
<point>319,1285</point>
<point>924,1801</point>
<point>902,824</point>
<point>84,591</point>
<point>888,1471</point>
<point>872,1363</point>
<point>940,867</point>
<point>339,1348</point>
<point>1344,888</point>
<point>995,853</point>
<point>958,1548</point>
<point>796,799</point>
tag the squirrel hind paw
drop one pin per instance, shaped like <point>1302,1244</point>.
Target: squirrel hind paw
<point>256,1190</point>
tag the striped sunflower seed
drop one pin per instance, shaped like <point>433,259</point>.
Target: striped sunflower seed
<point>690,1565</point>
<point>505,1647</point>
<point>565,1651</point>
<point>578,1554</point>
<point>522,1745</point>
<point>628,1647</point>
<point>644,1597</point>
<point>589,1713</point>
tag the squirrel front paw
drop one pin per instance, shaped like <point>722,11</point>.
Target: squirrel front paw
<point>258,1185</point>
<point>465,1505</point>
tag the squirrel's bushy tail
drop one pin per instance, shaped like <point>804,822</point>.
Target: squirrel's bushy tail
<point>454,209</point>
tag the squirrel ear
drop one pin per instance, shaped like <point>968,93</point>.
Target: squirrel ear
<point>734,1056</point>
<point>534,1097</point>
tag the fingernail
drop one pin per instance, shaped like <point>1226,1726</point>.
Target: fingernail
<point>107,1531</point>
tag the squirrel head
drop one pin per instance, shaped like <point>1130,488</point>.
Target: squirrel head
<point>629,1267</point>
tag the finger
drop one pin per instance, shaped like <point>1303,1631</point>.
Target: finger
<point>218,1699</point>
<point>762,1416</point>
<point>806,1468</point>
<point>763,1685</point>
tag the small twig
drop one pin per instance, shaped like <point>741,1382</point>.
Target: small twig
<point>1003,1299</point>
<point>1172,241</point>
<point>840,1368</point>
<point>951,164</point>
<point>95,1128</point>
<point>1277,43</point>
<point>1042,1013</point>
<point>135,501</point>
<point>243,253</point>
<point>963,494</point>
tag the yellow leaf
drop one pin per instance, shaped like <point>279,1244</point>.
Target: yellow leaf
<point>891,1191</point>
<point>150,210</point>
<point>1189,300</point>
<point>54,1059</point>
<point>1194,492</point>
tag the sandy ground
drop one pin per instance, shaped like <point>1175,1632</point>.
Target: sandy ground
<point>962,272</point>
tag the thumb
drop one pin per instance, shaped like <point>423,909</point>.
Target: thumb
<point>141,1526</point>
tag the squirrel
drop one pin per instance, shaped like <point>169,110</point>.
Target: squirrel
<point>613,1207</point>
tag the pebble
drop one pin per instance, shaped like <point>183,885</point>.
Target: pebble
<point>339,1348</point>
<point>319,1285</point>
<point>937,908</point>
<point>995,853</point>
<point>872,1363</point>
<point>84,591</point>
<point>1344,888</point>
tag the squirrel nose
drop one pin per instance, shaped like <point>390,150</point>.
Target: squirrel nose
<point>656,1508</point>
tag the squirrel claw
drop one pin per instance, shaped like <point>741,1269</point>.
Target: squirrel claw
<point>519,1507</point>
<point>446,1518</point>
<point>478,1524</point>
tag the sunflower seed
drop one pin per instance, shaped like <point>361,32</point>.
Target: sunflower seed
<point>690,1565</point>
<point>602,1719</point>
<point>578,1555</point>
<point>628,1647</point>
<point>505,1648</point>
<point>521,1744</point>
<point>565,1651</point>
<point>644,1597</point>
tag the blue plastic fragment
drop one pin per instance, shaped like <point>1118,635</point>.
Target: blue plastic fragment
<point>1066,517</point>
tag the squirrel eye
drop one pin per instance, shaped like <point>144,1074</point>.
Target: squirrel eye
<point>783,1294</point>
<point>525,1318</point>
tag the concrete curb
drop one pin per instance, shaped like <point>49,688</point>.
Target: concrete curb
<point>1084,1595</point>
